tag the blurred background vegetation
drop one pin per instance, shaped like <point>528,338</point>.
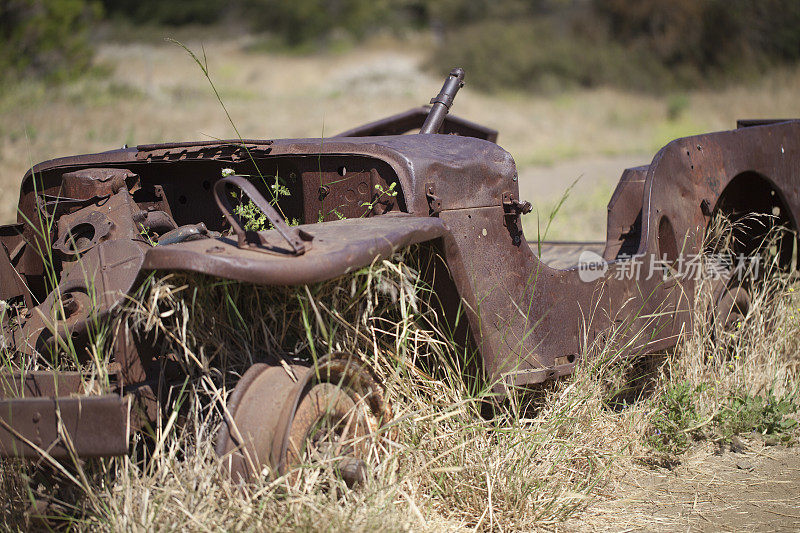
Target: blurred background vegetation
<point>542,45</point>
<point>46,37</point>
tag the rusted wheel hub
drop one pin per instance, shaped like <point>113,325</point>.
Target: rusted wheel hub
<point>279,417</point>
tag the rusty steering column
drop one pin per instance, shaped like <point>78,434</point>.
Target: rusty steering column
<point>443,101</point>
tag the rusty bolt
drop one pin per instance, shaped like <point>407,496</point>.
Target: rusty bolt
<point>353,471</point>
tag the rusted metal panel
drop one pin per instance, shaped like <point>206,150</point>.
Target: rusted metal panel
<point>468,172</point>
<point>343,193</point>
<point>86,426</point>
<point>38,383</point>
<point>337,247</point>
<point>747,123</point>
<point>11,283</point>
<point>624,223</point>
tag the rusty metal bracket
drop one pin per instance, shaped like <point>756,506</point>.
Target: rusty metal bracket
<point>513,206</point>
<point>292,236</point>
<point>84,234</point>
<point>512,209</point>
<point>434,202</point>
<point>87,426</point>
<point>39,383</point>
<point>38,412</point>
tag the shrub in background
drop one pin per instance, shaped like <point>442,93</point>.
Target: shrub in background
<point>710,35</point>
<point>168,13</point>
<point>303,22</point>
<point>652,45</point>
<point>48,38</point>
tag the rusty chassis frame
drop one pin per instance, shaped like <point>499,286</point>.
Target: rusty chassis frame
<point>457,192</point>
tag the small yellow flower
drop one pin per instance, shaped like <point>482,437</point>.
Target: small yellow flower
<point>791,289</point>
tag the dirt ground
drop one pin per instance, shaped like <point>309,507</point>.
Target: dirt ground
<point>756,489</point>
<point>582,217</point>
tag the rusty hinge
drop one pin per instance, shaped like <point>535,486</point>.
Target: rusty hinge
<point>516,207</point>
<point>434,202</point>
<point>513,207</point>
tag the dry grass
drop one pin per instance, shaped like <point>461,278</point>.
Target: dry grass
<point>443,466</point>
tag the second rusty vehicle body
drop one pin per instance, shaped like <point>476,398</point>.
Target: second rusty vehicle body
<point>457,194</point>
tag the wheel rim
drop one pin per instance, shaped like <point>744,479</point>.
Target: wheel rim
<point>327,414</point>
<point>363,413</point>
<point>328,426</point>
<point>252,418</point>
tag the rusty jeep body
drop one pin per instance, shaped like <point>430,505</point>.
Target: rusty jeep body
<point>457,194</point>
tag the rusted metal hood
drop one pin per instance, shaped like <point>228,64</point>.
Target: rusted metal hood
<point>468,172</point>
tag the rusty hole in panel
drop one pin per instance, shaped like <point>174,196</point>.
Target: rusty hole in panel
<point>79,237</point>
<point>667,243</point>
<point>565,359</point>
